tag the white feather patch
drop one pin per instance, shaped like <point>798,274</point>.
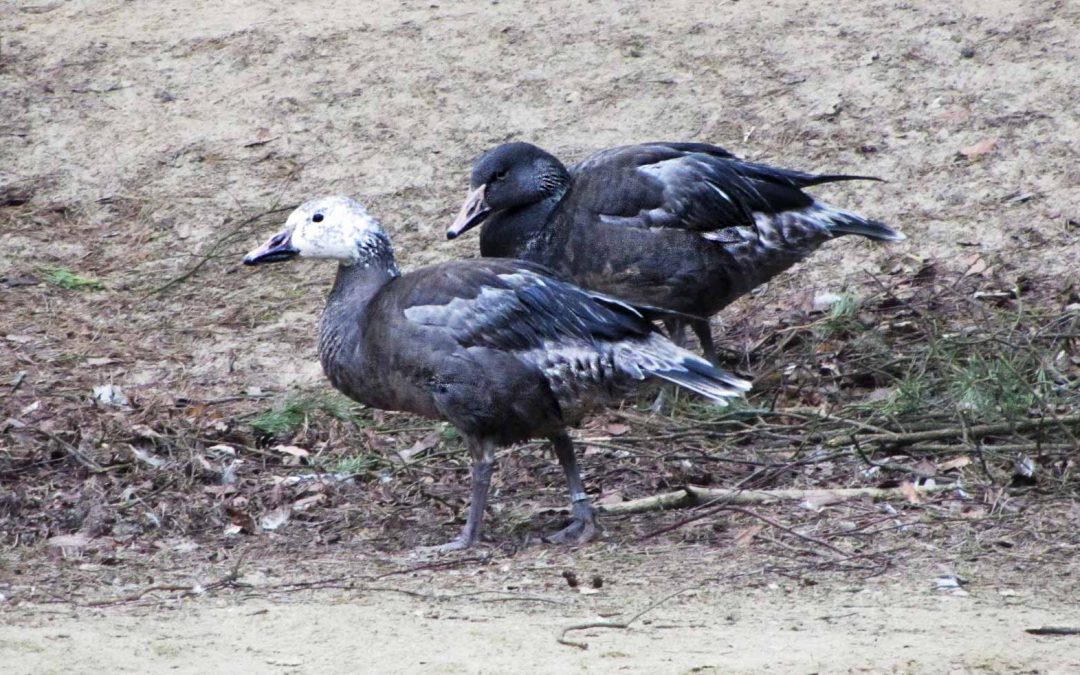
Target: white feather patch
<point>459,311</point>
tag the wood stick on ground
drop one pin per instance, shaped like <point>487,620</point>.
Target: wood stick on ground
<point>805,537</point>
<point>1053,630</point>
<point>562,639</point>
<point>753,514</point>
<point>71,450</point>
<point>693,495</point>
<point>977,431</point>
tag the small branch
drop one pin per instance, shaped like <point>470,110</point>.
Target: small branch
<point>138,595</point>
<point>440,564</point>
<point>998,447</point>
<point>229,579</point>
<point>680,499</point>
<point>888,466</point>
<point>213,249</point>
<point>562,639</point>
<point>805,537</point>
<point>976,431</point>
<point>753,514</point>
<point>692,495</point>
<point>343,583</point>
<point>1053,630</point>
<point>70,449</point>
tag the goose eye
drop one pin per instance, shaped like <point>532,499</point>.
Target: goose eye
<point>317,218</point>
<point>501,175</point>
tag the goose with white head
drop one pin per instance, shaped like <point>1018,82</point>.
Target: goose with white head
<point>499,348</point>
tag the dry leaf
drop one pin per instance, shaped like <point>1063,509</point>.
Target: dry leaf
<point>143,431</point>
<point>420,447</point>
<point>817,500</point>
<point>979,149</point>
<point>954,463</point>
<point>910,493</point>
<point>880,394</point>
<point>617,429</point>
<point>77,540</point>
<point>973,512</point>
<point>275,518</point>
<point>221,450</point>
<point>307,502</point>
<point>148,457</point>
<point>376,443</point>
<point>219,490</point>
<point>242,520</point>
<point>607,498</point>
<point>974,264</point>
<point>746,535</point>
<point>292,450</point>
<point>295,455</point>
<point>110,394</point>
<point>926,468</point>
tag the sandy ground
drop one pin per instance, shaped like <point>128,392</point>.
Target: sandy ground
<point>140,138</point>
<point>869,630</point>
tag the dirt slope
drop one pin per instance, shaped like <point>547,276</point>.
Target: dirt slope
<point>140,140</point>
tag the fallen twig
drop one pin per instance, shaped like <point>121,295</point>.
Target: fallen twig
<point>186,591</point>
<point>213,248</point>
<point>753,514</point>
<point>614,624</point>
<point>71,450</point>
<point>693,495</point>
<point>1054,630</point>
<point>229,579</point>
<point>805,537</point>
<point>439,564</point>
<point>976,431</point>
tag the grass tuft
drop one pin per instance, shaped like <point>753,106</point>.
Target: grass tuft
<point>66,279</point>
<point>298,409</point>
<point>354,465</point>
<point>842,318</point>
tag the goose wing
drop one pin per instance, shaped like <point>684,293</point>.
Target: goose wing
<point>689,186</point>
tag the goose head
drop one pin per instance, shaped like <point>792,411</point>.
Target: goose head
<point>508,176</point>
<point>330,228</point>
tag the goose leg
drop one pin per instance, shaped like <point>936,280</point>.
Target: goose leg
<point>676,330</point>
<point>704,335</point>
<point>483,456</point>
<point>583,526</point>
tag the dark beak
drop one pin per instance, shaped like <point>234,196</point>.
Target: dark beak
<point>473,212</point>
<point>277,249</point>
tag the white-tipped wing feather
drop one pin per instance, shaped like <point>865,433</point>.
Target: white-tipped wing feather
<point>579,340</point>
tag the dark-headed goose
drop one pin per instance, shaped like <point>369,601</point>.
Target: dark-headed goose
<point>498,348</point>
<point>683,226</point>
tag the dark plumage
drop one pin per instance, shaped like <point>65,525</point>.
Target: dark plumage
<point>683,226</point>
<point>498,348</point>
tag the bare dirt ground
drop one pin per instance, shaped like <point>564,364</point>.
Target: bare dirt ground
<point>145,146</point>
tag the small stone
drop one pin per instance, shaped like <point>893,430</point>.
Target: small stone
<point>967,52</point>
